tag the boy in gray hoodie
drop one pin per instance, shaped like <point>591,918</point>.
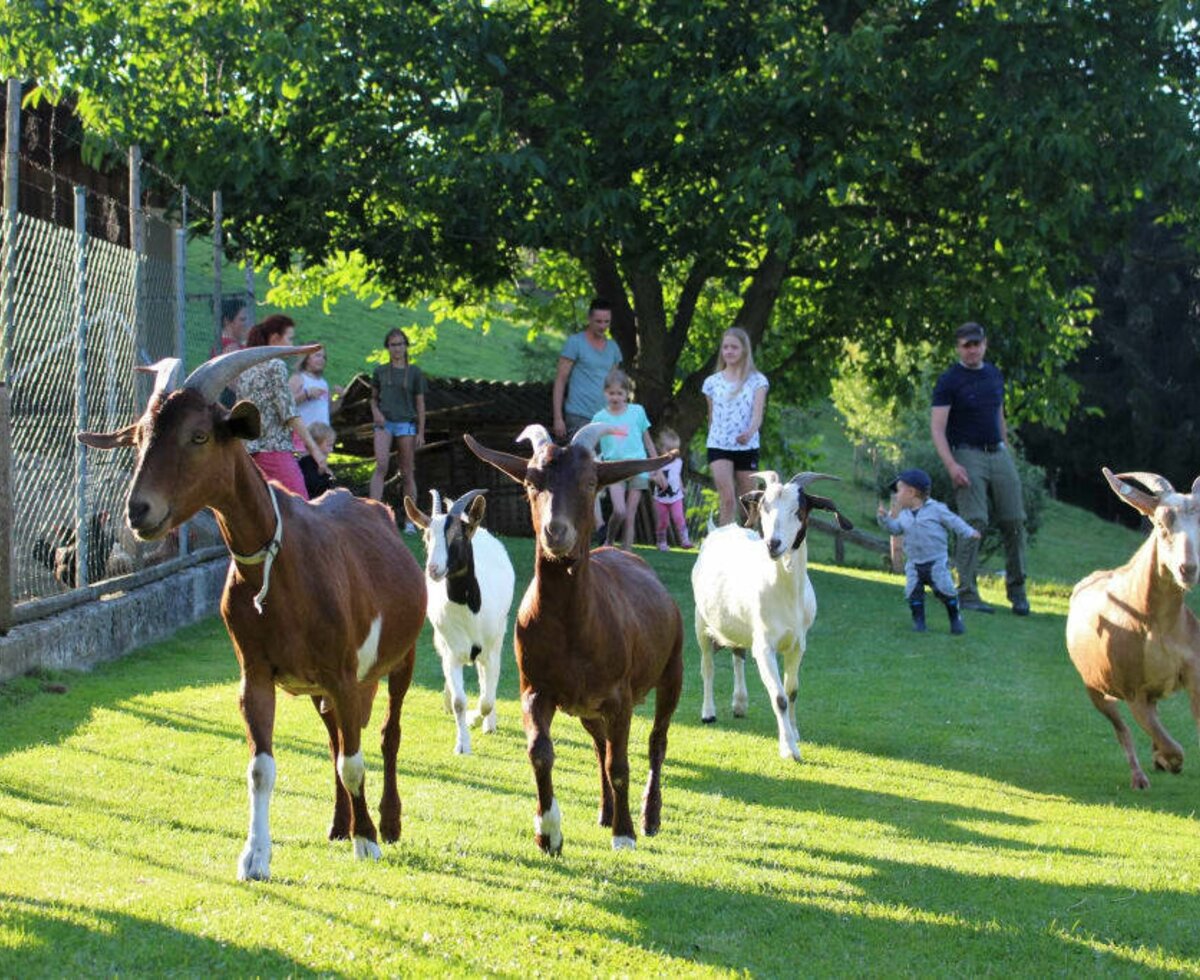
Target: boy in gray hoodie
<point>924,523</point>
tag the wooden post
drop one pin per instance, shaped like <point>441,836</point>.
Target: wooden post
<point>6,512</point>
<point>81,414</point>
<point>181,332</point>
<point>8,247</point>
<point>218,248</point>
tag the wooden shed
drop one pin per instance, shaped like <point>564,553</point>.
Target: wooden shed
<point>494,412</point>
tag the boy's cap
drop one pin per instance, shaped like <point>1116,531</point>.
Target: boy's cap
<point>969,331</point>
<point>917,479</point>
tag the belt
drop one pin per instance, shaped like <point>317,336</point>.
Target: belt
<point>987,447</point>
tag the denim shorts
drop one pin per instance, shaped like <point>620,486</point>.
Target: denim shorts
<point>397,429</point>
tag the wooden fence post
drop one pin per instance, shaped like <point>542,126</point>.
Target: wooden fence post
<point>6,512</point>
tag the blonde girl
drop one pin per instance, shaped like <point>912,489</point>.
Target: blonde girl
<point>736,396</point>
<point>635,444</point>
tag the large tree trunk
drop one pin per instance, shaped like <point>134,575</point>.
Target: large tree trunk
<point>652,347</point>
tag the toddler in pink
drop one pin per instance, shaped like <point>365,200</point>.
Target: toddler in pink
<point>667,492</point>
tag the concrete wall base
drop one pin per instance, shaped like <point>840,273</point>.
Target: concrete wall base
<point>90,634</point>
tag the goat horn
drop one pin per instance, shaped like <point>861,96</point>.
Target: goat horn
<point>166,375</point>
<point>463,502</point>
<point>436,507</point>
<point>213,377</point>
<point>592,433</point>
<point>536,435</point>
<point>804,479</point>
<point>1159,484</point>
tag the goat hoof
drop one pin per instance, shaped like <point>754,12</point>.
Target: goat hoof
<point>553,850</point>
<point>461,748</point>
<point>1139,781</point>
<point>708,721</point>
<point>365,848</point>
<point>338,831</point>
<point>623,844</point>
<point>255,864</point>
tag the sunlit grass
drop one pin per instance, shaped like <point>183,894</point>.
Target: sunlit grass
<point>961,808</point>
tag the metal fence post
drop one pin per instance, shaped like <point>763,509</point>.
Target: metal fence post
<point>181,332</point>
<point>6,512</point>
<point>218,249</point>
<point>81,413</point>
<point>250,318</point>
<point>12,186</point>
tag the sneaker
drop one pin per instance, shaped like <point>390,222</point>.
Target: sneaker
<point>410,527</point>
<point>958,627</point>
<point>662,546</point>
<point>975,604</point>
<point>1020,605</point>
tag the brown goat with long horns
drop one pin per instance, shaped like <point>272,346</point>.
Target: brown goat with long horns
<point>322,598</point>
<point>596,632</point>
<point>1129,632</point>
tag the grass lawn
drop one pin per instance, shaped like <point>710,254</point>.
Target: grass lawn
<point>961,809</point>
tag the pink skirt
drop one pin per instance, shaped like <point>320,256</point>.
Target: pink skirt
<point>283,469</point>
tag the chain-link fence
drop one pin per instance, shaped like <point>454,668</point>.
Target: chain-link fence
<point>91,286</point>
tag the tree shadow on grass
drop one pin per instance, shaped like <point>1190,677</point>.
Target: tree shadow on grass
<point>59,939</point>
<point>899,918</point>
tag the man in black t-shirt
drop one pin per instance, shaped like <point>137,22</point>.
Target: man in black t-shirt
<point>970,434</point>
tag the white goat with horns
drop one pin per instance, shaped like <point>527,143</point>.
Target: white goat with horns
<point>754,592</point>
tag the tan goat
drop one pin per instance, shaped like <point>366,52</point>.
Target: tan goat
<point>1129,633</point>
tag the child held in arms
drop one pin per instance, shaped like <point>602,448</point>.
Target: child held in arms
<point>924,523</point>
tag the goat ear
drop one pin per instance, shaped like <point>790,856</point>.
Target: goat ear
<point>108,440</point>
<point>476,511</point>
<point>616,470</point>
<point>750,502</point>
<point>514,467</point>
<point>244,422</point>
<point>1139,500</point>
<point>824,503</point>
<point>414,513</point>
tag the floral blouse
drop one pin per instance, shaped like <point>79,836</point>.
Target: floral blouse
<point>266,385</point>
<point>731,413</point>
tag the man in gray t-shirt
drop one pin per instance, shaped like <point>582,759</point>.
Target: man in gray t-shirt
<point>586,359</point>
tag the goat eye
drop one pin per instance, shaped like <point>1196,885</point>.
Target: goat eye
<point>199,437</point>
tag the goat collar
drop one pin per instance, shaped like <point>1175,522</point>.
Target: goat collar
<point>265,555</point>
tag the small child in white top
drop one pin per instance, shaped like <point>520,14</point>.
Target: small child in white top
<point>668,494</point>
<point>924,523</point>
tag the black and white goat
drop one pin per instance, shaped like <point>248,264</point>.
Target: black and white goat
<point>470,580</point>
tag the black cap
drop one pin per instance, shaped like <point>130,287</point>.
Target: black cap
<point>917,479</point>
<point>970,331</point>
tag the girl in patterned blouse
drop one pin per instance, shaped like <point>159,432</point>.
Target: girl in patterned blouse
<point>736,397</point>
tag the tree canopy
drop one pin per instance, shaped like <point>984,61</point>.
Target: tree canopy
<point>814,171</point>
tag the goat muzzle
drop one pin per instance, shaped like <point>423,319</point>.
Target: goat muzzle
<point>146,522</point>
<point>558,538</point>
